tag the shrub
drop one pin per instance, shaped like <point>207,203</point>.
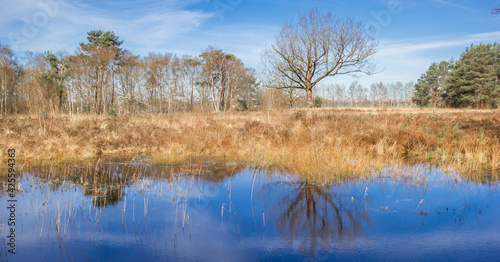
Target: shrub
<point>318,101</point>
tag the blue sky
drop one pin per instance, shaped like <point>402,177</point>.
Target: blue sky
<point>414,35</point>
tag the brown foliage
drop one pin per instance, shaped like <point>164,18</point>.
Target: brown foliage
<point>340,143</point>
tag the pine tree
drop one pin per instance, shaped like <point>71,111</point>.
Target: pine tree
<point>55,77</point>
<point>101,38</point>
<point>430,85</point>
<point>475,80</point>
<point>102,55</point>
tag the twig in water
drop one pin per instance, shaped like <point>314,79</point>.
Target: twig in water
<point>421,202</point>
<point>222,211</point>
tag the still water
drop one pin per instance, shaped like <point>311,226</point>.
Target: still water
<point>204,212</point>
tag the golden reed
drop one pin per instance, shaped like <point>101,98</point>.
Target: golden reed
<point>334,144</point>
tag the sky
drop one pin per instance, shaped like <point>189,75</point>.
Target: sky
<point>411,33</point>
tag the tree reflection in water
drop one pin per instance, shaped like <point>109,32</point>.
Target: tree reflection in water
<point>105,182</point>
<point>316,218</point>
<point>105,185</point>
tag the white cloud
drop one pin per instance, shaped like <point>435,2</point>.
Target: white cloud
<point>449,3</point>
<point>406,60</point>
<point>151,25</point>
<point>410,47</point>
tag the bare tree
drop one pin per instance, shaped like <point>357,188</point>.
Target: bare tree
<point>128,81</point>
<point>382,91</point>
<point>330,94</point>
<point>215,64</point>
<point>361,94</point>
<point>190,70</point>
<point>340,94</point>
<point>285,86</point>
<point>374,94</point>
<point>496,10</point>
<point>292,95</point>
<point>226,77</point>
<point>351,92</point>
<point>320,46</point>
<point>9,73</point>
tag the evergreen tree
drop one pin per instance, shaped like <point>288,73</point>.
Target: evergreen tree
<point>102,39</point>
<point>318,101</point>
<point>475,80</point>
<point>430,85</point>
<point>103,55</point>
<point>55,77</point>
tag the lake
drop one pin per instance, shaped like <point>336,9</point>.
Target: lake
<point>135,211</point>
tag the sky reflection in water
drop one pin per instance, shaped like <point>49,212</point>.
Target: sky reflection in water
<point>143,213</point>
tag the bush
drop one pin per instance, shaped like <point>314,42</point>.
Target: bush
<point>112,112</point>
<point>318,101</point>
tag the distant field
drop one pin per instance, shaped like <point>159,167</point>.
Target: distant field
<point>336,144</point>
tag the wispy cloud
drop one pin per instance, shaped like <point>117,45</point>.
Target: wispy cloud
<point>32,26</point>
<point>411,47</point>
<point>444,2</point>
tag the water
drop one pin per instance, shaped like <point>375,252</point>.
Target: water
<point>138,212</point>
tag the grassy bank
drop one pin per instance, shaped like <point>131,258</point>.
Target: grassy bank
<point>336,144</point>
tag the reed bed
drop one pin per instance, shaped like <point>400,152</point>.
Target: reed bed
<point>336,144</point>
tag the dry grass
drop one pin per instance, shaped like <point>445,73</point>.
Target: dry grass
<point>336,144</point>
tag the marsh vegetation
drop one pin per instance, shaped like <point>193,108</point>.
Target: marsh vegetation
<point>336,144</point>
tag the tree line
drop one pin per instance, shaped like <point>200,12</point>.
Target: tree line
<point>101,77</point>
<point>473,81</point>
<point>380,94</point>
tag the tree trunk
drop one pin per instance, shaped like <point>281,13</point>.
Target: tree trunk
<point>310,103</point>
<point>222,101</point>
<point>192,95</point>
<point>214,103</point>
<point>2,103</point>
<point>113,88</point>
<point>61,99</point>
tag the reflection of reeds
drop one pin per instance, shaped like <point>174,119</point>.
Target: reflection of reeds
<point>314,217</point>
<point>64,218</point>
